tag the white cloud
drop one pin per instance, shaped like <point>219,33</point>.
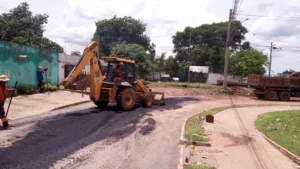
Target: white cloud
<point>72,23</point>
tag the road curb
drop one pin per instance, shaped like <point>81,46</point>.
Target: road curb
<point>72,104</point>
<point>181,156</point>
<point>284,151</point>
<point>184,141</point>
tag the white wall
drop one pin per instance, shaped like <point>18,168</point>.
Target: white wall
<point>213,77</point>
<point>65,59</point>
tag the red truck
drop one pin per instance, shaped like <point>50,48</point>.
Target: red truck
<point>273,88</point>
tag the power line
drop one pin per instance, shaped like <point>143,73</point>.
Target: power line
<point>263,38</point>
<point>272,19</point>
<point>261,45</point>
<point>267,17</point>
<point>233,2</point>
<point>239,5</point>
<point>264,16</point>
<point>235,8</point>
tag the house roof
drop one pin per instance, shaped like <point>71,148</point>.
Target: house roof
<point>203,69</point>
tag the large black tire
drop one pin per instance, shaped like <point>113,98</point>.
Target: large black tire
<point>126,99</point>
<point>284,96</point>
<point>260,96</point>
<point>101,104</point>
<point>272,95</point>
<point>147,101</point>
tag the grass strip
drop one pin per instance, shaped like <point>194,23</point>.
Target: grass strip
<point>194,125</point>
<point>283,127</point>
<point>198,167</point>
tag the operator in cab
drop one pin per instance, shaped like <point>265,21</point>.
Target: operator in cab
<point>117,72</point>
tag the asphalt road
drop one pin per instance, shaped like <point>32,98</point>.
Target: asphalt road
<point>86,137</point>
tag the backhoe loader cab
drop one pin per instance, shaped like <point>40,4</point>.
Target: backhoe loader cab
<point>127,67</point>
<point>108,88</point>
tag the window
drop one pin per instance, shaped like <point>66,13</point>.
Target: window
<point>130,71</point>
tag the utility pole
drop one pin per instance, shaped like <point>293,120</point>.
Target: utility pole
<point>189,60</point>
<point>270,66</point>
<point>227,50</point>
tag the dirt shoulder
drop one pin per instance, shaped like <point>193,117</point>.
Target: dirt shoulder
<point>237,144</point>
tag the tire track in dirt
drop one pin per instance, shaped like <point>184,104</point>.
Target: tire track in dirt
<point>254,147</point>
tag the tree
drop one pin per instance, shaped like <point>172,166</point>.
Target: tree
<point>210,35</point>
<point>288,71</point>
<point>159,63</point>
<point>110,32</point>
<point>246,46</point>
<point>76,53</point>
<point>172,66</point>
<point>134,52</point>
<point>205,45</point>
<point>19,25</point>
<point>152,51</point>
<point>247,62</point>
<point>27,38</point>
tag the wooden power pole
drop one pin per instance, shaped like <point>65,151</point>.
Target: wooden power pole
<point>227,50</point>
<point>189,60</point>
<point>270,66</point>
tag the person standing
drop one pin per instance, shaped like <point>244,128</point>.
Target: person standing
<point>40,78</point>
<point>4,90</point>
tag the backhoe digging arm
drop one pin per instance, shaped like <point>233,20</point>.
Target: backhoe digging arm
<point>96,77</point>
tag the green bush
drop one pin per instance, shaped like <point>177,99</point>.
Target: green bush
<point>50,87</point>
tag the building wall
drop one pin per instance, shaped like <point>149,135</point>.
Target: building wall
<point>213,77</point>
<point>24,70</point>
<point>65,59</point>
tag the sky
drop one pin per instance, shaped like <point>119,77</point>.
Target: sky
<point>71,23</point>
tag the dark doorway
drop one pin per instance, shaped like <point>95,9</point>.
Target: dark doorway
<point>68,69</point>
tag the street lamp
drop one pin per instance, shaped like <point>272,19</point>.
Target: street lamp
<point>245,20</point>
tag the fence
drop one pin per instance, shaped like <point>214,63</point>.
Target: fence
<point>214,77</point>
<point>23,69</point>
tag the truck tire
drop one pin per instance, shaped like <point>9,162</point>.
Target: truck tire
<point>147,100</point>
<point>284,96</point>
<point>101,104</point>
<point>260,96</point>
<point>272,95</point>
<point>126,99</point>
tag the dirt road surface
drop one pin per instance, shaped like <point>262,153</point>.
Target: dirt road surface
<point>86,137</point>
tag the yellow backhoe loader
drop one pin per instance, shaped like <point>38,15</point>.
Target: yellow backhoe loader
<point>107,89</point>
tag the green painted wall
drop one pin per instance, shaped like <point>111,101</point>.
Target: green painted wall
<point>24,70</point>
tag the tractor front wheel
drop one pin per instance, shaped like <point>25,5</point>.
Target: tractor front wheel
<point>148,100</point>
<point>126,99</point>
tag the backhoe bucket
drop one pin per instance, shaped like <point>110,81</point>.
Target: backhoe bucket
<point>158,98</point>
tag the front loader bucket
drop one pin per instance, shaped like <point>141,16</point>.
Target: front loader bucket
<point>158,98</point>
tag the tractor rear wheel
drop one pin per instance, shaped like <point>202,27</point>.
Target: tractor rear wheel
<point>272,95</point>
<point>284,96</point>
<point>126,99</point>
